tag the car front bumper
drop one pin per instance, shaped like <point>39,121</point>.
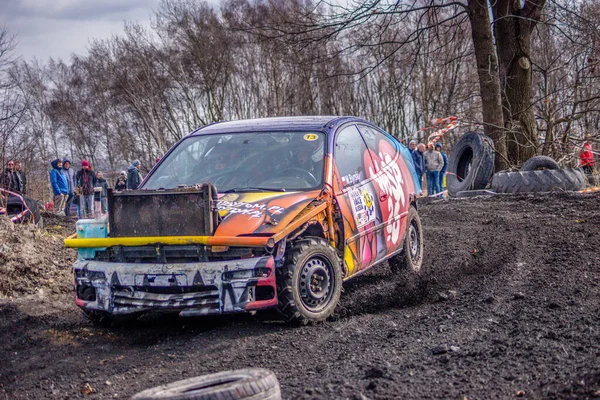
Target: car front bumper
<point>198,288</point>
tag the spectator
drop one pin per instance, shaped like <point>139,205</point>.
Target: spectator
<point>121,182</point>
<point>86,180</point>
<point>60,186</point>
<point>103,196</point>
<point>419,161</point>
<point>433,164</point>
<point>134,177</point>
<point>438,147</point>
<point>8,179</point>
<point>20,175</point>
<point>70,174</point>
<point>586,158</point>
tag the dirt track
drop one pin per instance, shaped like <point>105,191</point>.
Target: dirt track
<point>508,306</point>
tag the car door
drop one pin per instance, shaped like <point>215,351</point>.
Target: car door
<point>357,200</point>
<point>392,175</point>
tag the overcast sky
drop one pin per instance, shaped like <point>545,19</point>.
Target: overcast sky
<point>58,28</point>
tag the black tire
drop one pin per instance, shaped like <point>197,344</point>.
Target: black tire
<point>250,383</point>
<point>539,162</point>
<point>470,164</point>
<point>475,193</point>
<point>539,181</point>
<point>411,256</point>
<point>300,301</point>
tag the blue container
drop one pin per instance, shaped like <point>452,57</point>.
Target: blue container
<point>89,229</point>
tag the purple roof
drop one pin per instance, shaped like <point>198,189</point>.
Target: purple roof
<point>308,123</point>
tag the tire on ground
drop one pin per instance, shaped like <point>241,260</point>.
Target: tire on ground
<point>539,181</point>
<point>411,256</point>
<point>471,163</point>
<point>302,299</point>
<point>250,383</point>
<point>539,162</point>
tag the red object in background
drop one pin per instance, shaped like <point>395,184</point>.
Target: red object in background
<point>586,157</point>
<point>49,206</point>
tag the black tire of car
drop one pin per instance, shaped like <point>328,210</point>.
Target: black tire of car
<point>470,164</point>
<point>314,256</point>
<point>249,383</point>
<point>545,180</point>
<point>539,162</point>
<point>411,260</point>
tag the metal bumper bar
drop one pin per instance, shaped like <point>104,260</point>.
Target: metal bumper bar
<point>198,288</point>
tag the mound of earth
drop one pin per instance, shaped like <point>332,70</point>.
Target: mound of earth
<point>32,259</point>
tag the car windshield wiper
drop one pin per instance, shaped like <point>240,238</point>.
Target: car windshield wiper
<point>253,189</point>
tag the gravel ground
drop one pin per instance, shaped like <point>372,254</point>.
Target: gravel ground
<point>507,305</point>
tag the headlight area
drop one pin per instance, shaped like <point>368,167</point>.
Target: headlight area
<point>84,283</point>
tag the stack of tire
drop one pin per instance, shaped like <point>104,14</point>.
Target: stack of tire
<point>471,165</point>
<point>539,174</point>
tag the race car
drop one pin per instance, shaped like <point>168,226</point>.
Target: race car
<point>250,215</point>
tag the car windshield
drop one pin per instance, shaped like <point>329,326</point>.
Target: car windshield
<point>278,161</point>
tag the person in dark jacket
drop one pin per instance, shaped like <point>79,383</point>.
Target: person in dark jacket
<point>134,177</point>
<point>86,180</point>
<point>19,174</point>
<point>60,186</point>
<point>438,147</point>
<point>102,197</point>
<point>121,182</point>
<point>70,174</point>
<point>419,160</point>
<point>8,179</point>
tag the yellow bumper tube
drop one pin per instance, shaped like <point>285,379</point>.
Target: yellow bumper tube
<point>81,243</point>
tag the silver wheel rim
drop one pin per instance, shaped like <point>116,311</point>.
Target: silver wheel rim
<point>315,284</point>
<point>414,245</point>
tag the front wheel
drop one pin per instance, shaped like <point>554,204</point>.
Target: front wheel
<point>309,284</point>
<point>411,255</point>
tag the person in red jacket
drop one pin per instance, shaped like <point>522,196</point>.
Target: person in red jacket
<point>586,158</point>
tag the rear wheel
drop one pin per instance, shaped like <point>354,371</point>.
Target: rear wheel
<point>310,282</point>
<point>411,255</point>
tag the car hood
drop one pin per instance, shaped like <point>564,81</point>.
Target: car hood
<point>258,213</point>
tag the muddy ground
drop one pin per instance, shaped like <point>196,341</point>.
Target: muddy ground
<point>508,305</point>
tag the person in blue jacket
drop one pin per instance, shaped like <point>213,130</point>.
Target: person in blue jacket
<point>419,160</point>
<point>60,186</point>
<point>438,146</point>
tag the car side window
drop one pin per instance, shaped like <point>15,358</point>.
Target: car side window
<point>348,155</point>
<point>372,137</point>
